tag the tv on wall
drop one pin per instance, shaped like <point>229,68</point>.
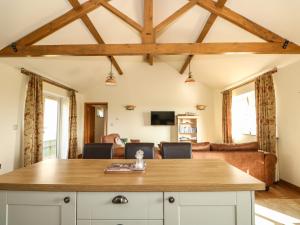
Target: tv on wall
<point>162,118</point>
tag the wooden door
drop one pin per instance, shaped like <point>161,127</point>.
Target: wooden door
<point>209,208</point>
<point>89,124</point>
<point>29,208</point>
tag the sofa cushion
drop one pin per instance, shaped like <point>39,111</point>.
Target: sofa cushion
<point>250,146</point>
<point>202,146</point>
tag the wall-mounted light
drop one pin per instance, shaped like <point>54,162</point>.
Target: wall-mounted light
<point>129,107</point>
<point>201,107</point>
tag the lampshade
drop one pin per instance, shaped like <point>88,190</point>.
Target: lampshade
<point>110,80</point>
<point>190,79</point>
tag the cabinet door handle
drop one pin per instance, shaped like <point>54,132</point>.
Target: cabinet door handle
<point>171,199</point>
<point>120,199</point>
<point>67,199</point>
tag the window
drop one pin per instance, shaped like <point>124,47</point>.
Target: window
<point>55,139</point>
<point>51,128</point>
<point>244,114</point>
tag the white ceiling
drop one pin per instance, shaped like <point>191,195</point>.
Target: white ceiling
<point>19,17</point>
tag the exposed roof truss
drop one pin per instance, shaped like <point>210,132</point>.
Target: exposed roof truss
<point>275,44</point>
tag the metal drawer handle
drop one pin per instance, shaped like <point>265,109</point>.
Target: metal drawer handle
<point>120,199</point>
<point>171,199</point>
<point>67,199</point>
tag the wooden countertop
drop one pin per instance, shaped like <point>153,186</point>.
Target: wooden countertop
<point>190,175</point>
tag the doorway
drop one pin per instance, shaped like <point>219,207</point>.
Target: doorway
<point>95,122</point>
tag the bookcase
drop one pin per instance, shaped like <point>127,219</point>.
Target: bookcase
<point>187,128</point>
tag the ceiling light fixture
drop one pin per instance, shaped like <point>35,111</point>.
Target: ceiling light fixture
<point>190,78</point>
<point>110,79</point>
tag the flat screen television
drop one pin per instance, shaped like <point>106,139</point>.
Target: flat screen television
<point>162,118</point>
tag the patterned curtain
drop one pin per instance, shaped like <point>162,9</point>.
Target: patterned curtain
<point>33,121</point>
<point>266,112</point>
<point>226,116</point>
<point>73,146</point>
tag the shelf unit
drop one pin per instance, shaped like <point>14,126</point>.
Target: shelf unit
<point>187,128</point>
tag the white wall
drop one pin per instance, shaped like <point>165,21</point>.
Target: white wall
<point>12,98</point>
<point>287,84</point>
<point>152,88</point>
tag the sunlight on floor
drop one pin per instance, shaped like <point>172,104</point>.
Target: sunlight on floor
<point>266,216</point>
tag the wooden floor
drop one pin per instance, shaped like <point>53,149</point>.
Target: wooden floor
<point>280,205</point>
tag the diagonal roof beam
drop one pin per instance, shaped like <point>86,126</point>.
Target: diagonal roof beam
<point>121,15</point>
<point>160,27</point>
<point>209,23</point>
<point>88,23</point>
<point>241,21</point>
<point>55,25</point>
<point>148,34</point>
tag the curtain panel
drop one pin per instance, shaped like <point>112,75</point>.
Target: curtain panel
<point>73,145</point>
<point>33,121</point>
<point>226,116</point>
<point>266,113</point>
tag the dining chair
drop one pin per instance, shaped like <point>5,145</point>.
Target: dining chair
<point>98,151</point>
<point>132,148</point>
<point>176,150</point>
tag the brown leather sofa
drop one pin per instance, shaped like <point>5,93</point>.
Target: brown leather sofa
<point>246,157</point>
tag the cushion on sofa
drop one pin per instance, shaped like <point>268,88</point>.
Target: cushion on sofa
<point>250,146</point>
<point>202,146</point>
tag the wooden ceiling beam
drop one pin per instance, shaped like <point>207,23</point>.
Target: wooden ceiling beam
<point>56,24</point>
<point>162,26</point>
<point>209,23</point>
<point>90,26</point>
<point>241,21</point>
<point>156,49</point>
<point>148,33</point>
<point>121,15</point>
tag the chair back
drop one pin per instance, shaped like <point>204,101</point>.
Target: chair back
<point>98,151</point>
<point>176,150</point>
<point>132,148</point>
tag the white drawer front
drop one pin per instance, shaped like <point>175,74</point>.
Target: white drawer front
<point>140,206</point>
<point>120,222</point>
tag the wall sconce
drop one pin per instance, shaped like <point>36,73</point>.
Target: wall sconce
<point>201,107</point>
<point>129,107</point>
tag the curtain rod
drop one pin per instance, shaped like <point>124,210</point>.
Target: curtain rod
<point>272,71</point>
<point>47,80</point>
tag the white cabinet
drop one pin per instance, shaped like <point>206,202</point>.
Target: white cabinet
<point>208,208</point>
<point>126,208</point>
<point>37,208</point>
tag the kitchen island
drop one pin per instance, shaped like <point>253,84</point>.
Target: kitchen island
<point>169,192</point>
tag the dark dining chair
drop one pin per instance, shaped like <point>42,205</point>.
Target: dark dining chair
<point>132,148</point>
<point>176,150</point>
<point>98,151</point>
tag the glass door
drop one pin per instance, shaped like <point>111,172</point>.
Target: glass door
<point>51,127</point>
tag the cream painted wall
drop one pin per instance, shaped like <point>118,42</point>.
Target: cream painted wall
<point>152,88</point>
<point>12,100</point>
<point>287,83</point>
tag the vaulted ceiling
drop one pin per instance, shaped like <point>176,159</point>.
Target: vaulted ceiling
<point>18,18</point>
